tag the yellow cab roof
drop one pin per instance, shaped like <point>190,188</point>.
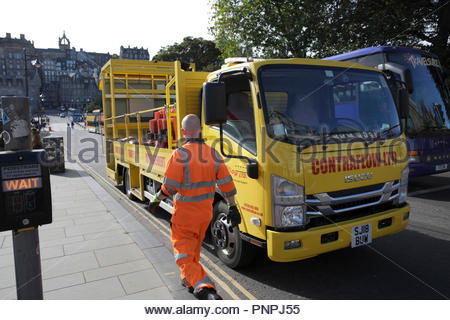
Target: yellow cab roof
<point>257,63</point>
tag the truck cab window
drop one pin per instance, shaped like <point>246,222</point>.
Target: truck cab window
<point>240,125</point>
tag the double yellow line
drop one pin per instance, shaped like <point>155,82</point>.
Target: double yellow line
<point>166,232</point>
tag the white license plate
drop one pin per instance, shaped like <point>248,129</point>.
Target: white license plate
<point>440,167</point>
<point>361,235</point>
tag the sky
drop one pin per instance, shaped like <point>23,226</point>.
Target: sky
<point>103,26</point>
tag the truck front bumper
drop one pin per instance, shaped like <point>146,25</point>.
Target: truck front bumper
<point>311,243</point>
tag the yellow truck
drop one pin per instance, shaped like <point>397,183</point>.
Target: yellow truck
<point>315,148</point>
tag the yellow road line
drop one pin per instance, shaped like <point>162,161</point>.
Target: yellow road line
<point>227,276</point>
<point>221,283</point>
<point>165,231</point>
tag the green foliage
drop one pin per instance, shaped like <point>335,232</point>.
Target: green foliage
<point>307,28</point>
<point>202,52</point>
<point>93,105</point>
<point>267,28</point>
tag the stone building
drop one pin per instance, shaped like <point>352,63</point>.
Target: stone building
<point>70,77</point>
<point>66,77</point>
<point>13,55</point>
<point>134,53</point>
<point>63,76</point>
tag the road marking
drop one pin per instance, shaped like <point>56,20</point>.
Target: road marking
<point>421,192</point>
<point>221,283</point>
<point>227,276</point>
<point>165,231</point>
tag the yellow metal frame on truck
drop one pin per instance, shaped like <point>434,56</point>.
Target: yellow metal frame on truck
<point>179,85</point>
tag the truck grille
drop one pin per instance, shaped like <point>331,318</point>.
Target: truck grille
<point>355,191</point>
<point>317,221</point>
<point>338,202</point>
<point>352,204</point>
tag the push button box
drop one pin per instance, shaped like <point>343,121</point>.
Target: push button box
<point>25,193</point>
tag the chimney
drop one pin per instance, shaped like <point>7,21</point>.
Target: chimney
<point>8,35</point>
<point>22,36</point>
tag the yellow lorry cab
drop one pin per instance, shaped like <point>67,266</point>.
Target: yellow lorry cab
<point>315,148</point>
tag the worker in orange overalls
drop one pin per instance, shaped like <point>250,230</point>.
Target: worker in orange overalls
<point>191,176</point>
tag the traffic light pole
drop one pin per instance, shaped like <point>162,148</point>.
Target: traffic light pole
<point>27,257</point>
<point>27,261</point>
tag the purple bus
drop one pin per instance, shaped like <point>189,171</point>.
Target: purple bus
<point>428,125</point>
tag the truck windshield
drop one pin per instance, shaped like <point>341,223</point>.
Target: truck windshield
<point>304,102</point>
<point>430,101</point>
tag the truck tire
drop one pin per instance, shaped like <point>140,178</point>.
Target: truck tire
<point>126,184</point>
<point>228,244</point>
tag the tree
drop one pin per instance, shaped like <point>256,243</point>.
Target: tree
<point>202,52</point>
<point>96,103</point>
<point>306,28</point>
<point>268,28</point>
<point>363,23</point>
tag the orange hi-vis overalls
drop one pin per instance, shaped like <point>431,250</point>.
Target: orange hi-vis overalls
<point>191,177</point>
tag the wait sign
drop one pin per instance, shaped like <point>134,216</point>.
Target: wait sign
<point>22,184</point>
<point>25,193</point>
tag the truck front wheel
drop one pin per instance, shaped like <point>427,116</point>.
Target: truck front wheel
<point>229,246</point>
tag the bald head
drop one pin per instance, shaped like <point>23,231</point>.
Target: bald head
<point>190,126</point>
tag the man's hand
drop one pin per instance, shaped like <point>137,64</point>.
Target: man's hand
<point>154,204</point>
<point>160,195</point>
<point>233,215</point>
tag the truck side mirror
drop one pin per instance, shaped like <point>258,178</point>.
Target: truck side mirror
<point>402,71</point>
<point>214,103</point>
<point>403,103</point>
<point>252,169</point>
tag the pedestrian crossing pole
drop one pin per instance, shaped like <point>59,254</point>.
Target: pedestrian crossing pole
<point>27,257</point>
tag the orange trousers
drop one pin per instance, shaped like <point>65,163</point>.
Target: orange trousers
<point>187,244</point>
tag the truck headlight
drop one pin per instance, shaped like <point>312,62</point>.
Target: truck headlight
<point>288,203</point>
<point>403,188</point>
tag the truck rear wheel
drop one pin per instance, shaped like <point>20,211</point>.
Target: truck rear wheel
<point>127,185</point>
<point>229,246</point>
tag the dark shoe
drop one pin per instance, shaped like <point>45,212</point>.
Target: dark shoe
<point>208,294</point>
<point>190,289</point>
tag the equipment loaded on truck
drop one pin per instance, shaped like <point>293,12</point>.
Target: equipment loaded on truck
<point>315,148</point>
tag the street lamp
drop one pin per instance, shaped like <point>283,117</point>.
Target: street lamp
<point>35,63</point>
<point>42,99</point>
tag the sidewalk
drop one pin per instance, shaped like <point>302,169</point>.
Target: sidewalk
<point>95,249</point>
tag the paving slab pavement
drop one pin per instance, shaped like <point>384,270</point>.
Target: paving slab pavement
<point>95,249</point>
